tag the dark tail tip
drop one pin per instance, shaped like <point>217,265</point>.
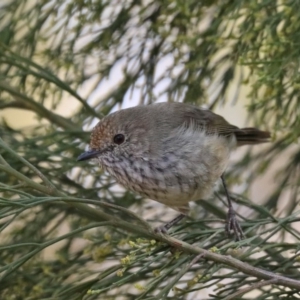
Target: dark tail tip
<point>251,136</point>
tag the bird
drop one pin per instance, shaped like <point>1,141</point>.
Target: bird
<point>170,152</point>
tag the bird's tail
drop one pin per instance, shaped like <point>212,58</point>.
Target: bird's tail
<point>251,136</point>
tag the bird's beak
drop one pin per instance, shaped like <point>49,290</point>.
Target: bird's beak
<point>88,155</point>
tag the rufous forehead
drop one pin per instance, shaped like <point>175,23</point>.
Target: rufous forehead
<point>101,135</point>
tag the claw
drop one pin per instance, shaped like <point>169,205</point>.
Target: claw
<point>233,224</point>
<point>164,228</point>
<point>161,229</point>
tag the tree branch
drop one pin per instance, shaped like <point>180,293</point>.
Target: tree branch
<point>147,230</point>
<point>257,285</point>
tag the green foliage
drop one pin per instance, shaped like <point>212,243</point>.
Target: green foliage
<point>65,229</point>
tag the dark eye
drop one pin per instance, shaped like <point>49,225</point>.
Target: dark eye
<point>119,139</point>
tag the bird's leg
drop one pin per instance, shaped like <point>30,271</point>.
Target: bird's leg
<point>167,226</point>
<point>232,222</point>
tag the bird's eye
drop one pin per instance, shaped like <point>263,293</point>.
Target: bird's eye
<point>119,139</point>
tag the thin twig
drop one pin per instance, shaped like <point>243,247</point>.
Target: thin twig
<point>257,285</point>
<point>232,262</point>
<point>167,288</point>
<point>29,165</point>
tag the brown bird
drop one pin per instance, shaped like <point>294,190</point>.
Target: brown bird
<point>170,152</point>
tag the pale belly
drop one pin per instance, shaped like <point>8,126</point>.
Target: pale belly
<point>176,177</point>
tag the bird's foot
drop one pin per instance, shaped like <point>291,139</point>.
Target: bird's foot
<point>161,229</point>
<point>233,224</point>
<point>164,228</point>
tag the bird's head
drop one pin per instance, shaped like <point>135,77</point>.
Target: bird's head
<point>117,135</point>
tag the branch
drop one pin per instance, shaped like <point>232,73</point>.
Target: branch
<point>250,288</point>
<point>36,107</point>
<point>147,230</point>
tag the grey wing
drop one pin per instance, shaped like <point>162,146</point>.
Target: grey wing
<point>202,119</point>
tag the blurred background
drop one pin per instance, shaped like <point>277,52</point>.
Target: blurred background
<point>66,64</point>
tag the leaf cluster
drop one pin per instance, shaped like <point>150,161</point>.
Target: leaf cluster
<point>67,231</point>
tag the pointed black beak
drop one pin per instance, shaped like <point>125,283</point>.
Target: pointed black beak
<point>88,155</point>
